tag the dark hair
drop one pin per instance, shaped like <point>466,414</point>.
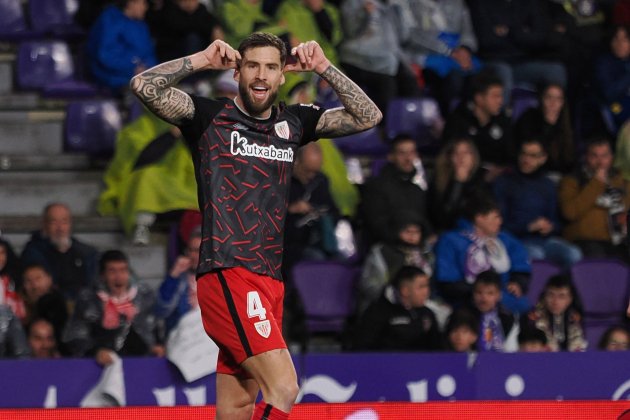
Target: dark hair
<point>40,266</point>
<point>488,278</point>
<point>482,81</point>
<point>111,256</point>
<point>478,203</point>
<point>462,318</point>
<point>603,342</point>
<point>263,39</point>
<point>406,274</point>
<point>400,138</point>
<point>29,326</point>
<point>601,140</point>
<point>560,281</point>
<point>531,334</point>
<point>533,140</point>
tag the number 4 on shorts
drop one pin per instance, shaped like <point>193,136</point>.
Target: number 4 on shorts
<point>255,307</point>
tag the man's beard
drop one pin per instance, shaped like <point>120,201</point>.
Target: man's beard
<point>252,108</point>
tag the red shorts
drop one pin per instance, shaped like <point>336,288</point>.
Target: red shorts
<point>242,313</point>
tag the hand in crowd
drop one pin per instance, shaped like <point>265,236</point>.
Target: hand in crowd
<point>181,265</point>
<point>515,289</point>
<point>541,225</point>
<point>463,57</point>
<point>105,357</point>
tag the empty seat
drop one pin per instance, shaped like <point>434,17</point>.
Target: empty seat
<point>542,270</point>
<point>418,117</point>
<point>603,287</point>
<point>92,126</point>
<point>55,17</point>
<point>522,100</point>
<point>13,25</point>
<point>43,62</point>
<point>365,143</point>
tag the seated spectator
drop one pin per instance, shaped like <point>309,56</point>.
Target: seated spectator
<point>399,319</point>
<point>385,260</point>
<point>119,45</point>
<point>529,205</point>
<point>532,340</point>
<point>550,123</point>
<point>8,278</point>
<point>615,338</point>
<point>612,76</point>
<point>41,339</point>
<point>462,331</point>
<point>71,262</point>
<point>178,292</point>
<point>371,54</point>
<point>441,40</point>
<point>512,41</point>
<point>12,338</point>
<point>478,245</point>
<point>559,316</point>
<point>484,122</point>
<point>42,299</point>
<point>311,214</point>
<point>498,327</point>
<point>400,187</point>
<point>151,173</point>
<point>115,318</point>
<point>594,201</point>
<point>182,27</point>
<point>457,175</point>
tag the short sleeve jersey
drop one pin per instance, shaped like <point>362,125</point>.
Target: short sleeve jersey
<point>243,169</point>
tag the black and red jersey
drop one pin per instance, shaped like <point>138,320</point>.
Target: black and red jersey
<point>243,168</point>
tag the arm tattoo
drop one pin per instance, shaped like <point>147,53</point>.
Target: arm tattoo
<point>155,89</point>
<point>359,112</point>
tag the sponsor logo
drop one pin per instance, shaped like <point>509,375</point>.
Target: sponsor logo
<point>239,145</point>
<point>263,328</point>
<point>327,389</point>
<point>282,129</point>
<point>239,126</point>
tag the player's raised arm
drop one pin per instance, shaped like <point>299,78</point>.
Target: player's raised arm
<point>358,113</point>
<point>155,86</point>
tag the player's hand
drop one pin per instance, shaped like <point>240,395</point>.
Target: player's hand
<point>220,56</point>
<point>309,56</point>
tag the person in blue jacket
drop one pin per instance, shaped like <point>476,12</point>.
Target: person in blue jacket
<point>119,44</point>
<point>478,245</point>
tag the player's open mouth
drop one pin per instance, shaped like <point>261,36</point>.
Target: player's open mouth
<point>259,92</point>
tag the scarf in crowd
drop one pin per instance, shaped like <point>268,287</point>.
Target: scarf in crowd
<point>10,297</point>
<point>491,337</point>
<point>483,254</point>
<point>115,307</point>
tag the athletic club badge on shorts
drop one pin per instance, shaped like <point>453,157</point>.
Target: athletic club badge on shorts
<point>282,129</point>
<point>263,328</point>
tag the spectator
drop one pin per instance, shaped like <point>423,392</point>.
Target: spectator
<point>498,327</point>
<point>399,319</point>
<point>442,42</point>
<point>178,292</point>
<point>71,262</point>
<point>532,340</point>
<point>41,339</point>
<point>559,316</point>
<point>528,200</point>
<point>8,279</point>
<point>457,175</point>
<point>385,260</point>
<point>616,338</point>
<point>482,120</point>
<point>594,201</point>
<point>551,124</point>
<point>182,27</point>
<point>12,339</point>
<point>478,245</point>
<point>512,37</point>
<point>42,299</point>
<point>401,186</point>
<point>119,44</point>
<point>612,76</point>
<point>150,174</point>
<point>117,317</point>
<point>462,331</point>
<point>371,52</point>
<point>242,17</point>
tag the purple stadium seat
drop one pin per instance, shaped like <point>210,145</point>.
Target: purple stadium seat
<point>13,26</point>
<point>594,332</point>
<point>603,287</point>
<point>92,126</point>
<point>418,117</point>
<point>327,293</point>
<point>55,17</point>
<point>366,143</point>
<point>522,100</point>
<point>542,270</point>
<point>43,62</point>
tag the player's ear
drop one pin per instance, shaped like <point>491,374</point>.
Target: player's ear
<point>282,79</point>
<point>237,73</point>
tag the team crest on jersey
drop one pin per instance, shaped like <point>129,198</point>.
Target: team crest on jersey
<point>282,129</point>
<point>263,328</point>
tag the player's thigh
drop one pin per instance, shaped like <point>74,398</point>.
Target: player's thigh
<point>236,397</point>
<point>272,370</point>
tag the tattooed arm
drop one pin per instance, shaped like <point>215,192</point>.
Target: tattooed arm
<point>358,113</point>
<point>155,86</point>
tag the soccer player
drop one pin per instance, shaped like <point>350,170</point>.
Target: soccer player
<point>243,150</point>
